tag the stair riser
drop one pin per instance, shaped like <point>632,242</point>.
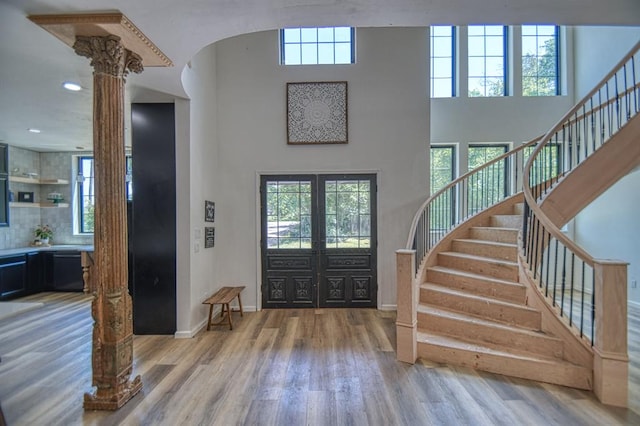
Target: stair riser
<point>484,308</point>
<point>562,374</point>
<point>518,209</point>
<point>498,235</point>
<point>506,221</point>
<point>509,293</point>
<point>508,337</point>
<point>488,250</point>
<point>490,269</point>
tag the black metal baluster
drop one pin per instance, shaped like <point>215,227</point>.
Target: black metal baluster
<point>573,265</point>
<point>537,248</point>
<point>582,308</point>
<point>593,305</point>
<point>564,278</point>
<point>555,272</point>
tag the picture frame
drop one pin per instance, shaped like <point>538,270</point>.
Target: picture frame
<point>209,237</point>
<point>209,211</point>
<point>317,113</point>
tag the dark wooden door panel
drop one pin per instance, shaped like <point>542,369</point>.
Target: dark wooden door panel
<point>318,241</point>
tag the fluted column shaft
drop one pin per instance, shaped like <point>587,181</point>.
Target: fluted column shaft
<point>112,357</point>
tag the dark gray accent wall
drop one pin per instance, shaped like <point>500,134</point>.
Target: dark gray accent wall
<point>152,230</point>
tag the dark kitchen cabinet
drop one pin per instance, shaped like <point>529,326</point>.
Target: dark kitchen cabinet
<point>35,272</point>
<point>13,276</point>
<point>63,271</point>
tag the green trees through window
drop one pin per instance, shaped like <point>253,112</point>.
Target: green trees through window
<point>540,60</point>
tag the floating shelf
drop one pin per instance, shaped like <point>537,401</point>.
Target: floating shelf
<point>23,179</point>
<point>39,205</point>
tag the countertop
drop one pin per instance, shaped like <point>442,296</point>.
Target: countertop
<point>55,247</point>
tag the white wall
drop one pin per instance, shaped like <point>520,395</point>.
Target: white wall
<point>388,134</point>
<point>597,50</point>
<point>196,182</point>
<point>608,228</point>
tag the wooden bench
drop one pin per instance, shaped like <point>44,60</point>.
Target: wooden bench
<point>224,297</point>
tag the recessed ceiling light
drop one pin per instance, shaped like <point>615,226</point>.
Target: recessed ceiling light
<point>74,87</point>
<point>34,130</point>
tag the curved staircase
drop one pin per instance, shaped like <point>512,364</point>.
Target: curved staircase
<point>472,310</point>
<point>482,283</point>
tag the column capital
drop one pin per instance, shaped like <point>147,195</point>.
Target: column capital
<point>108,55</point>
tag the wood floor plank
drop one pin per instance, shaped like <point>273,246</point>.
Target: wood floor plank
<point>278,367</point>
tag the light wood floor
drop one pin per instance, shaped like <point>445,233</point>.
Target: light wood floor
<point>280,367</point>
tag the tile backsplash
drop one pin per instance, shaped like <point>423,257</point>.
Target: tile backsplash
<point>23,220</point>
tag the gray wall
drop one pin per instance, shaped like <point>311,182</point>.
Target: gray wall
<point>23,220</point>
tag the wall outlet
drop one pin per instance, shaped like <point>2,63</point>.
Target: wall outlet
<point>634,283</point>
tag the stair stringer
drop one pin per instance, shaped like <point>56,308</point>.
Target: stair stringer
<point>577,350</point>
<point>482,218</point>
<point>594,175</point>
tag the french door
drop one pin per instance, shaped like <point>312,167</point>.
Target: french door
<point>319,241</point>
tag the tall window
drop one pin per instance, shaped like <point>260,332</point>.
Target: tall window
<point>490,184</point>
<point>311,46</point>
<point>540,65</point>
<point>548,162</point>
<point>86,195</point>
<point>442,171</point>
<point>86,192</point>
<point>487,60</point>
<point>443,73</point>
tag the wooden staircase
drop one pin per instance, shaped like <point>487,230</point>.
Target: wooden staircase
<point>472,310</point>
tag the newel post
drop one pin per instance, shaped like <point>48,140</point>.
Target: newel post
<point>611,360</point>
<point>407,300</point>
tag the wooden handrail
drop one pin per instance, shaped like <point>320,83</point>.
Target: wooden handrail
<point>454,182</point>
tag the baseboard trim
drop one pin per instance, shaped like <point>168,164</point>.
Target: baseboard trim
<point>189,334</point>
<point>634,304</point>
<point>388,307</point>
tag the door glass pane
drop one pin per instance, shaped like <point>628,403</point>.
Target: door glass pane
<point>347,217</point>
<point>289,215</point>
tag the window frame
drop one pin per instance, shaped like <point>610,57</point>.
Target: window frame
<point>440,221</point>
<point>79,200</point>
<point>506,146</point>
<point>558,80</point>
<point>505,61</point>
<point>453,51</point>
<point>284,43</point>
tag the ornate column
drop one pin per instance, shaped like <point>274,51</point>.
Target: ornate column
<point>109,40</point>
<point>111,308</point>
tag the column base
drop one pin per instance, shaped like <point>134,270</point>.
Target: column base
<point>111,400</point>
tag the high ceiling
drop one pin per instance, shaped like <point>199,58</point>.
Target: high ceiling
<point>34,64</point>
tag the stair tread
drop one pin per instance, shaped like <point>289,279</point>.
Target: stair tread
<point>461,316</point>
<point>479,258</point>
<point>424,336</point>
<point>499,228</point>
<point>473,275</point>
<point>487,242</point>
<point>462,293</point>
